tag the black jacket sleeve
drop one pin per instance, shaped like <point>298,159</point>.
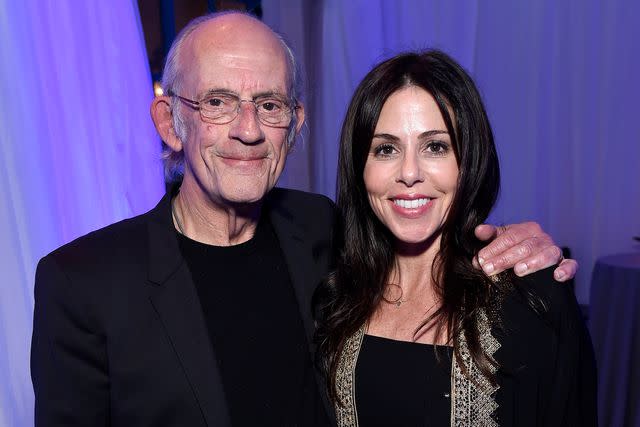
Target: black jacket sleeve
<point>573,396</point>
<point>68,354</point>
<point>547,375</point>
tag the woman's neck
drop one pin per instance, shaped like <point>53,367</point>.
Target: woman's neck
<point>413,270</point>
<point>410,297</point>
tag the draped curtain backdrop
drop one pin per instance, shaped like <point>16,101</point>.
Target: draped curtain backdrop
<point>77,150</point>
<point>559,80</point>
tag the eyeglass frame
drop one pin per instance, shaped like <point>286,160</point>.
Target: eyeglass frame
<point>197,105</point>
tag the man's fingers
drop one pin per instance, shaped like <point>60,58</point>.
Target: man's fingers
<point>486,232</point>
<point>514,255</point>
<point>475,263</point>
<point>540,259</point>
<point>566,270</point>
<point>506,239</point>
<point>525,247</point>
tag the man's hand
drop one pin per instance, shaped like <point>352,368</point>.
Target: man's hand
<point>525,247</point>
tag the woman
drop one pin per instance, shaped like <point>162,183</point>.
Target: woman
<point>409,332</point>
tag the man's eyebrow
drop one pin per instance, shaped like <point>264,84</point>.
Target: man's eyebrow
<point>270,93</point>
<point>423,135</point>
<point>222,91</point>
<point>219,91</point>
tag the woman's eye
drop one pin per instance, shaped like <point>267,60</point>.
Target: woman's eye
<point>437,147</point>
<point>384,150</point>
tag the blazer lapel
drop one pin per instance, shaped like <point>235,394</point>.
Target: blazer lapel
<point>175,299</point>
<point>307,265</point>
<point>298,254</point>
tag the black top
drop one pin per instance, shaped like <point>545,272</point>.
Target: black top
<point>546,375</point>
<point>401,383</point>
<point>262,352</point>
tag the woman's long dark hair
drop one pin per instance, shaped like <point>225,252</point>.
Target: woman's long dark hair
<point>356,287</point>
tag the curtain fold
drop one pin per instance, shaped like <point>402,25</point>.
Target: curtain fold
<point>77,151</point>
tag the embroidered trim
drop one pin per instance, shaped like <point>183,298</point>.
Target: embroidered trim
<point>473,400</point>
<point>346,413</point>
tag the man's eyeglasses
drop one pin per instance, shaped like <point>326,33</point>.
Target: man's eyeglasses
<point>221,108</point>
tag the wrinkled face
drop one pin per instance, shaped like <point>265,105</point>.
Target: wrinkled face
<point>237,162</point>
<point>411,171</point>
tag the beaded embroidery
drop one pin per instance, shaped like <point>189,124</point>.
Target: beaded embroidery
<point>346,414</point>
<point>472,401</point>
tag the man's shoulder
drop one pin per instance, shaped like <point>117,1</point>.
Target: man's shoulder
<point>301,206</point>
<point>314,215</point>
<point>288,197</point>
<point>121,239</point>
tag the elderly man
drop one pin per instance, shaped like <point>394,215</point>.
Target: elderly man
<point>198,312</point>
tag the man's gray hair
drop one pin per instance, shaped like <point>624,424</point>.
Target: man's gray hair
<point>171,85</point>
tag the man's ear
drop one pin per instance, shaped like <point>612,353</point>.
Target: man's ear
<point>299,118</point>
<point>163,120</point>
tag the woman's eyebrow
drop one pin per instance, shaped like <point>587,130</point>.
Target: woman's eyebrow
<point>431,133</point>
<point>386,136</point>
<point>423,135</point>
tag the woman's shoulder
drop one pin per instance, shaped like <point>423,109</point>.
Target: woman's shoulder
<point>540,293</point>
<point>538,311</point>
<point>546,347</point>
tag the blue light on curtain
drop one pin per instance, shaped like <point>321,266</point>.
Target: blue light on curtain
<point>559,79</point>
<point>77,150</point>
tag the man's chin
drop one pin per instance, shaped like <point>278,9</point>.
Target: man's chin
<point>246,196</point>
<point>236,189</point>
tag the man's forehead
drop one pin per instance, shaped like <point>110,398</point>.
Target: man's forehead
<point>236,36</point>
<point>247,61</point>
<point>237,72</point>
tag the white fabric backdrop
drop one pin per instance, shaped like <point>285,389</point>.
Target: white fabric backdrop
<point>560,81</point>
<point>77,150</point>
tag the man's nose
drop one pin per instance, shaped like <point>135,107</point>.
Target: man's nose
<point>246,126</point>
<point>410,171</point>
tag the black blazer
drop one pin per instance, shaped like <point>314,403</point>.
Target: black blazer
<point>119,337</point>
<point>547,372</point>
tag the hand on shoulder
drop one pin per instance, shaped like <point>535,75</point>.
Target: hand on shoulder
<point>525,247</point>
